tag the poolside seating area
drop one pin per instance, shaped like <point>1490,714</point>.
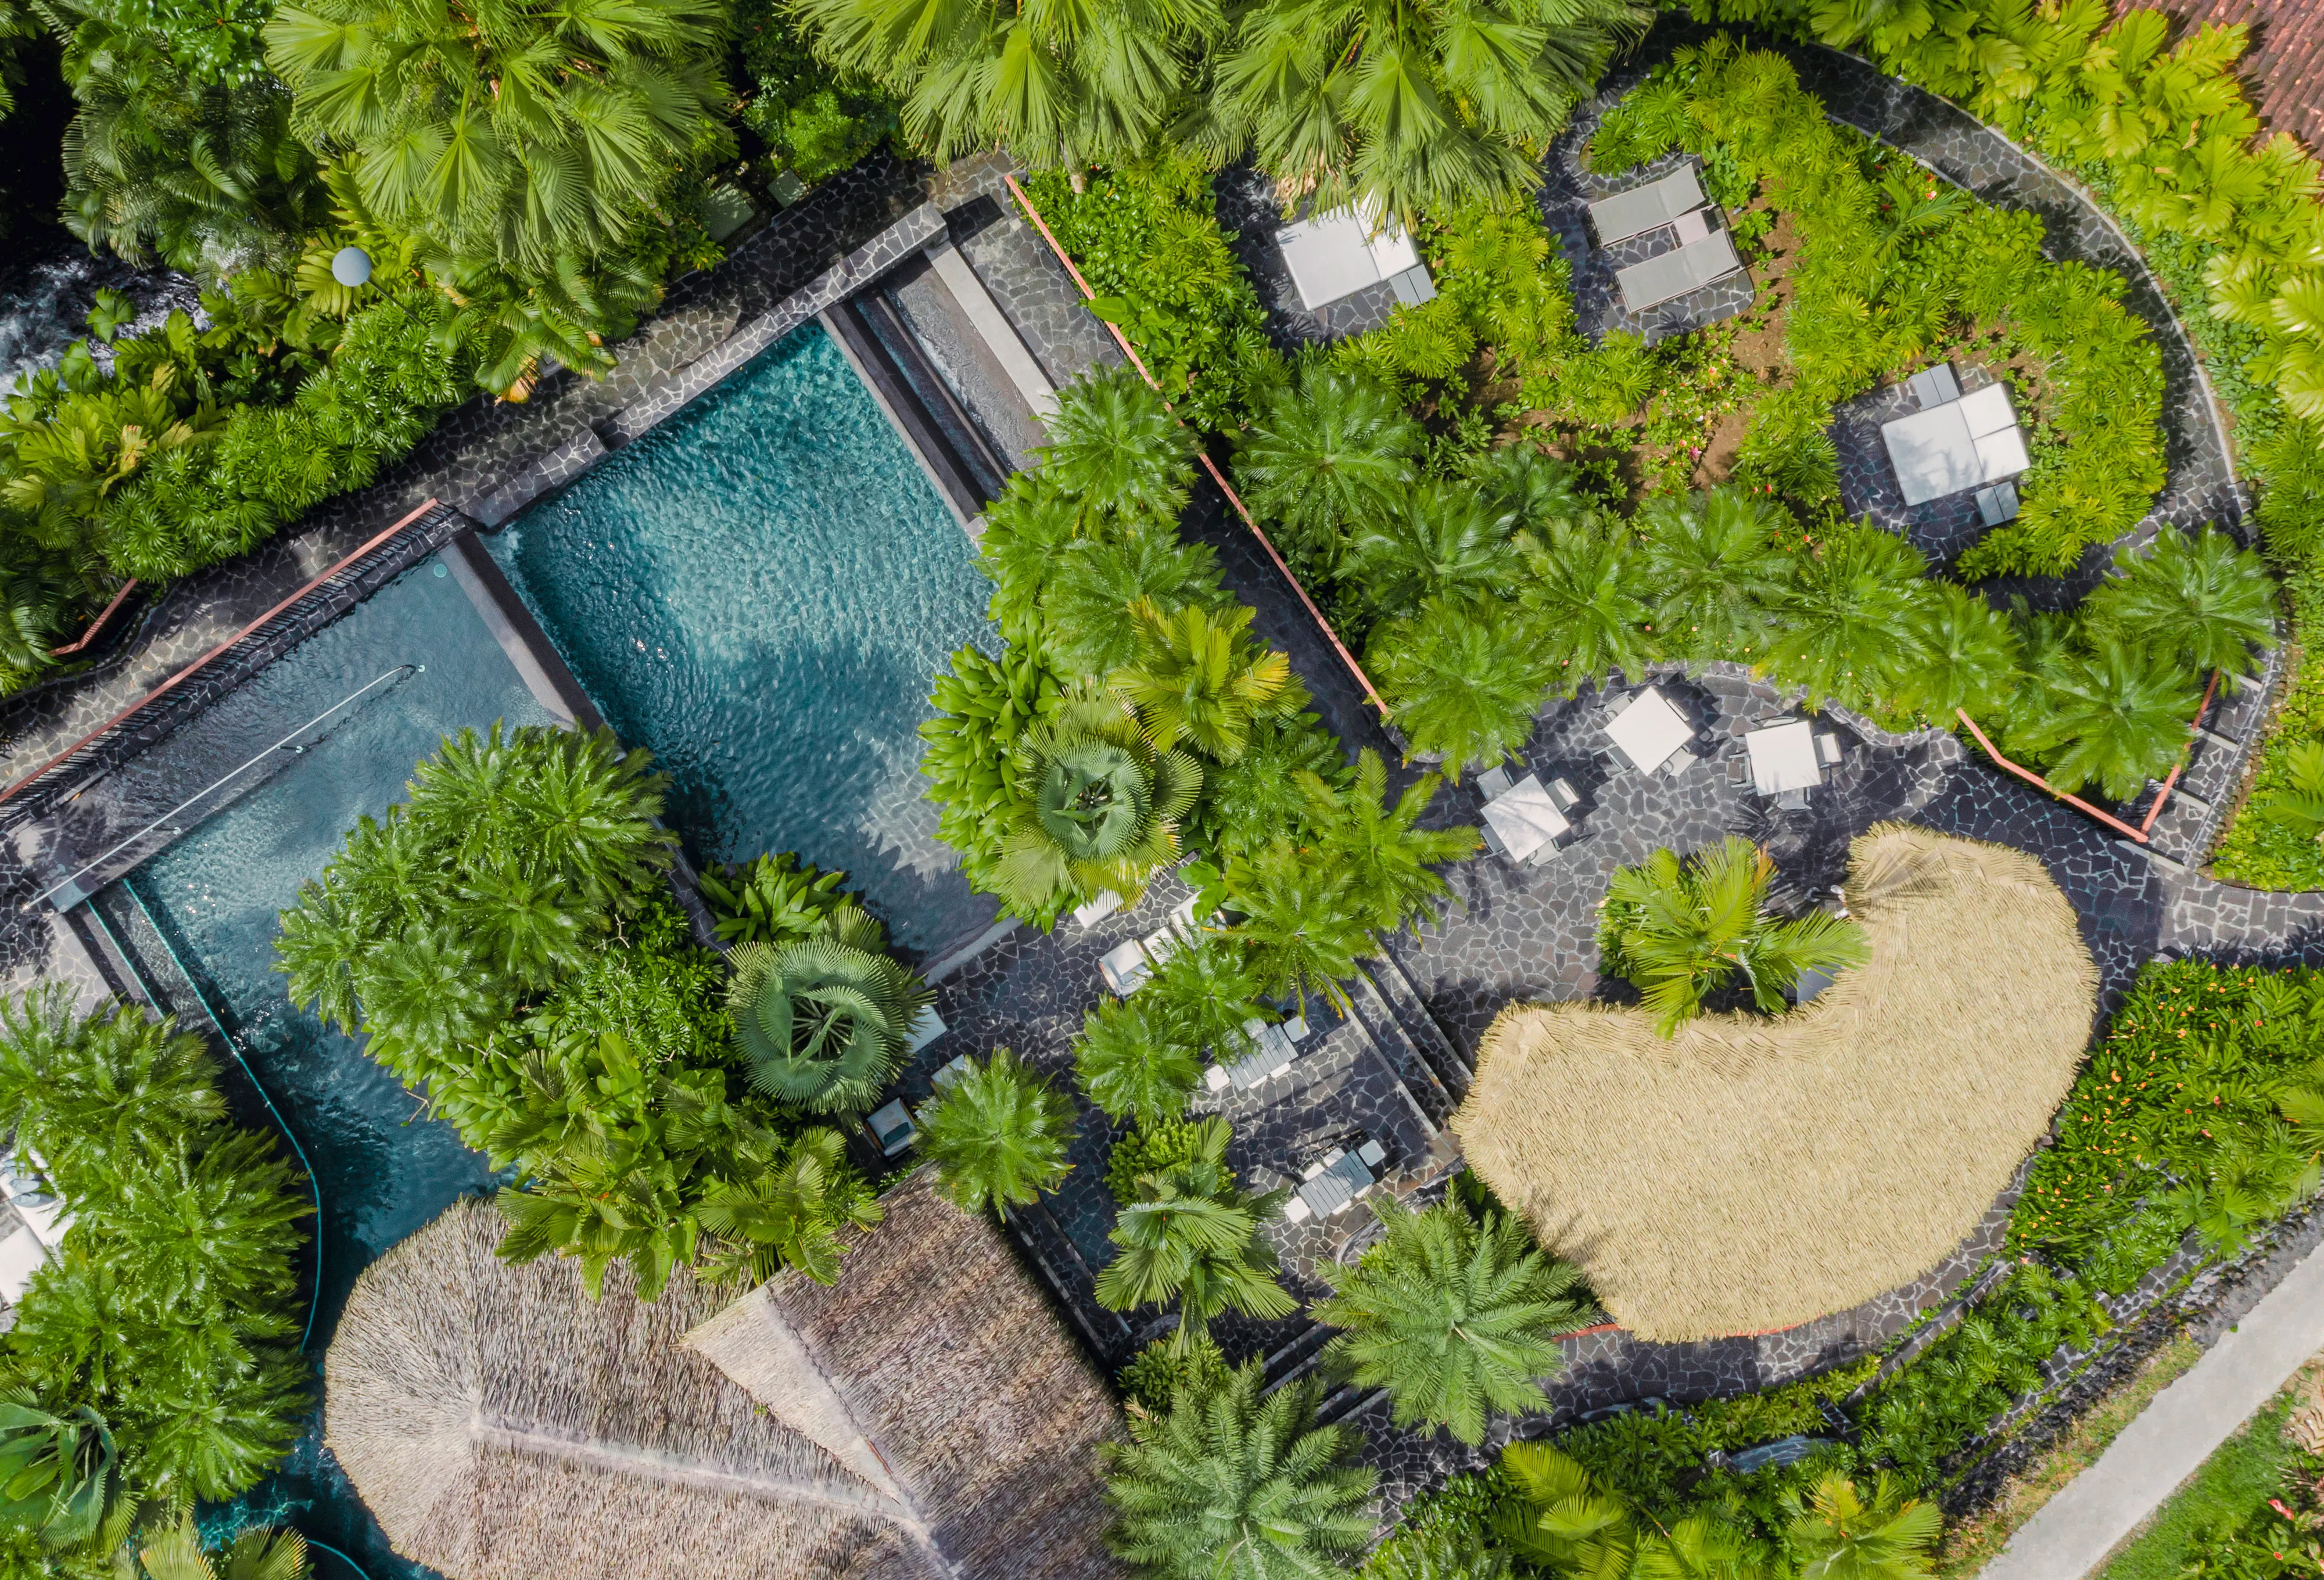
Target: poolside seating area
<point>1337,253</point>
<point>1271,1051</point>
<point>1334,1181</point>
<point>1524,820</point>
<point>1650,736</point>
<point>1126,967</point>
<point>1956,442</point>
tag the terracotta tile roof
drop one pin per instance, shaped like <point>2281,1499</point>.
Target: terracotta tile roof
<point>2284,68</point>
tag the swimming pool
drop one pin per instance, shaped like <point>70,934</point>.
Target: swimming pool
<point>762,592</point>
<point>207,903</point>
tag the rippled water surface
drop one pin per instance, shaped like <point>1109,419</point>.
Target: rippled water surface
<point>761,590</point>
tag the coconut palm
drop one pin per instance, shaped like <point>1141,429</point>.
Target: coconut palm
<point>1134,1060</point>
<point>1455,1316</point>
<point>1528,488</point>
<point>2115,711</point>
<point>1328,458</point>
<point>997,1134</point>
<point>2197,596</point>
<point>782,1204</point>
<point>1090,86</point>
<point>1115,445</point>
<point>1464,679</point>
<point>1677,929</point>
<point>1583,596</point>
<point>1100,805</point>
<point>1442,541</point>
<point>821,1022</point>
<point>1192,1235</point>
<point>2297,804</point>
<point>1410,108</point>
<point>530,136</point>
<point>1209,989</point>
<point>1249,801</point>
<point>1845,624</point>
<point>58,1471</point>
<point>1095,581</point>
<point>1837,1534</point>
<point>1199,679</point>
<point>1963,654</point>
<point>1389,859</point>
<point>1715,568</point>
<point>1233,1482</point>
<point>1301,920</point>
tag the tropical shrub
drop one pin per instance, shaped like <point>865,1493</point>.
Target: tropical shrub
<point>1098,807</point>
<point>1567,1519</point>
<point>772,899</point>
<point>1677,929</point>
<point>1192,1234</point>
<point>997,1134</point>
<point>1233,1483</point>
<point>821,1023</point>
<point>1454,1314</point>
<point>782,1205</point>
<point>815,121</point>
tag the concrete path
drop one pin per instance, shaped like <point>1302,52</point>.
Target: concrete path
<point>2076,1531</point>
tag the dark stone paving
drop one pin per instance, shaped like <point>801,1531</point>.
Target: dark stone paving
<point>1566,193</point>
<point>1943,528</point>
<point>1250,215</point>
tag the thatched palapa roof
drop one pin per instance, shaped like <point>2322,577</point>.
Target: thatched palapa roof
<point>1754,1173</point>
<point>926,1419</point>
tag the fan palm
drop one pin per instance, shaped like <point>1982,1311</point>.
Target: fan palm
<point>1571,1520</point>
<point>1677,929</point>
<point>2117,712</point>
<point>264,1553</point>
<point>58,1474</point>
<point>997,1134</point>
<point>1845,624</point>
<point>1583,596</point>
<point>1100,805</point>
<point>1464,679</point>
<point>1443,541</point>
<point>1963,654</point>
<point>1233,1482</point>
<point>1716,569</point>
<point>1838,1535</point>
<point>1328,459</point>
<point>1410,108</point>
<point>1301,923</point>
<point>526,135</point>
<point>1199,679</point>
<point>782,1205</point>
<point>1390,861</point>
<point>1453,1315</point>
<point>2297,804</point>
<point>1134,1060</point>
<point>2196,596</point>
<point>1192,1235</point>
<point>821,1022</point>
<point>1114,444</point>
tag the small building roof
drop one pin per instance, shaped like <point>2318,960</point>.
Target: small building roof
<point>928,1419</point>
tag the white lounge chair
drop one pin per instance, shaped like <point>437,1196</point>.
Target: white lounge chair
<point>1640,209</point>
<point>1673,274</point>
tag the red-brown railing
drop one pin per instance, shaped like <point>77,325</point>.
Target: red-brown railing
<point>1203,454</point>
<point>99,624</point>
<point>2076,802</point>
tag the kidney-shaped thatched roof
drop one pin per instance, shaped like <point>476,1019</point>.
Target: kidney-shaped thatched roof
<point>1753,1174</point>
<point>926,1419</point>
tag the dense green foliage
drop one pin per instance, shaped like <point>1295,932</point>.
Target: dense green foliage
<point>815,121</point>
<point>156,1353</point>
<point>997,1134</point>
<point>1189,1232</point>
<point>503,939</point>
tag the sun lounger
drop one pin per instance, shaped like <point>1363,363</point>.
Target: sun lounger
<point>1640,209</point>
<point>1334,1184</point>
<point>1273,1050</point>
<point>1935,386</point>
<point>1675,274</point>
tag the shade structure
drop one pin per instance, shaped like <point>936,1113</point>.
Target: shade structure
<point>1784,758</point>
<point>1754,1172</point>
<point>1649,730</point>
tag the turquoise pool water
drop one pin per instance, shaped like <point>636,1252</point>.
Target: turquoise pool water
<point>383,1170</point>
<point>762,592</point>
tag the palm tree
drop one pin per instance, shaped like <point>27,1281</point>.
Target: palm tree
<point>1443,541</point>
<point>1199,679</point>
<point>1390,861</point>
<point>529,137</point>
<point>1464,679</point>
<point>997,1134</point>
<point>1846,622</point>
<point>1716,569</point>
<point>1209,991</point>
<point>1192,1235</point>
<point>1327,458</point>
<point>1583,597</point>
<point>2297,804</point>
<point>1914,204</point>
<point>1114,446</point>
<point>1570,1520</point>
<point>1439,1554</point>
<point>58,1471</point>
<point>1410,108</point>
<point>782,1205</point>
<point>261,1553</point>
<point>1028,530</point>
<point>1677,929</point>
<point>1528,488</point>
<point>1096,582</point>
<point>1455,1316</point>
<point>1100,805</point>
<point>1963,654</point>
<point>2197,596</point>
<point>821,1022</point>
<point>2117,712</point>
<point>1134,1064</point>
<point>1837,1535</point>
<point>1232,1483</point>
<point>1301,924</point>
<point>110,1084</point>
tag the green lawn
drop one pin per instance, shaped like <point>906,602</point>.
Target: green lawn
<point>2242,1473</point>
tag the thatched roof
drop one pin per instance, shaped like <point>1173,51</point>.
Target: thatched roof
<point>504,1427</point>
<point>1754,1173</point>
